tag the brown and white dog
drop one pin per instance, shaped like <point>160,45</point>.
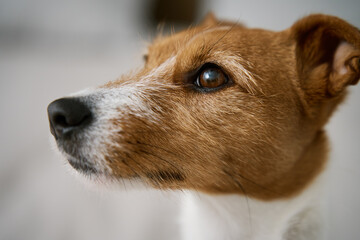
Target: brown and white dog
<point>233,116</point>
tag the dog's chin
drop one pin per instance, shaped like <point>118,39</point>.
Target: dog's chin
<point>105,183</point>
<point>99,180</point>
<point>79,160</point>
<point>96,177</point>
<point>82,166</point>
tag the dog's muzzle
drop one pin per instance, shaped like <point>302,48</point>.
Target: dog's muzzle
<point>68,118</point>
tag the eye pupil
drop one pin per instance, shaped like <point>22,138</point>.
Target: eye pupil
<point>211,75</point>
<point>211,78</point>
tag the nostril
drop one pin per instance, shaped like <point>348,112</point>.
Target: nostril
<point>66,115</point>
<point>70,119</point>
<point>60,120</point>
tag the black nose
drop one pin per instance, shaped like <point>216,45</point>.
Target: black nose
<point>67,115</point>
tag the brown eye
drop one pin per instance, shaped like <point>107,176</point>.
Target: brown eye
<point>211,78</point>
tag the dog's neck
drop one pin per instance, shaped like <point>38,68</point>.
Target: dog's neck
<point>241,217</point>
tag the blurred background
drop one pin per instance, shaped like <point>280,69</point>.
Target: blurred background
<point>50,48</point>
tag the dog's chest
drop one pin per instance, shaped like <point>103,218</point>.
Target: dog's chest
<point>238,217</point>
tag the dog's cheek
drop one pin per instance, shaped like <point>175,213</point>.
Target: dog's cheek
<point>139,147</point>
<point>232,140</point>
<point>201,142</point>
<point>194,139</point>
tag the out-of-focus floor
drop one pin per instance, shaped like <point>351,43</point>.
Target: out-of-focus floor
<point>52,48</point>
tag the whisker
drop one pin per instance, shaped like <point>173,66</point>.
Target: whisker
<point>135,173</point>
<point>136,162</point>
<point>153,146</point>
<point>141,167</point>
<point>167,161</point>
<point>246,198</point>
<point>258,185</point>
<point>224,35</point>
<point>162,159</point>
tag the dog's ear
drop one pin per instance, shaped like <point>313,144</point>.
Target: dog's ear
<point>209,20</point>
<point>327,55</point>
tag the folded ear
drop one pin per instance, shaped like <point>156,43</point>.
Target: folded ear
<point>209,20</point>
<point>327,55</point>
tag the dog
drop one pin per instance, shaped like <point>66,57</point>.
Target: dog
<point>234,117</point>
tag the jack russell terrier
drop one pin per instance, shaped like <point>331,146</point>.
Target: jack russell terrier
<point>232,116</point>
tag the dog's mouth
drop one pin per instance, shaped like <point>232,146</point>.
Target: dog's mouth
<point>82,165</point>
<point>76,160</point>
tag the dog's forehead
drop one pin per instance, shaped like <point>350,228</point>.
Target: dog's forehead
<point>247,55</point>
<point>249,44</point>
<point>164,47</point>
<point>253,50</point>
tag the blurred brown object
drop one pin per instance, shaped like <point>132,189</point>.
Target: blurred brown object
<point>174,11</point>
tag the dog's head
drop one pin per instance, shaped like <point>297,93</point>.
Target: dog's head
<point>218,108</point>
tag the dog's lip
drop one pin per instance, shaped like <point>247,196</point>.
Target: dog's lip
<point>82,165</point>
<point>76,159</point>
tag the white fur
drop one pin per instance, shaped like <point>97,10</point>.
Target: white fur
<point>236,217</point>
<point>108,104</point>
